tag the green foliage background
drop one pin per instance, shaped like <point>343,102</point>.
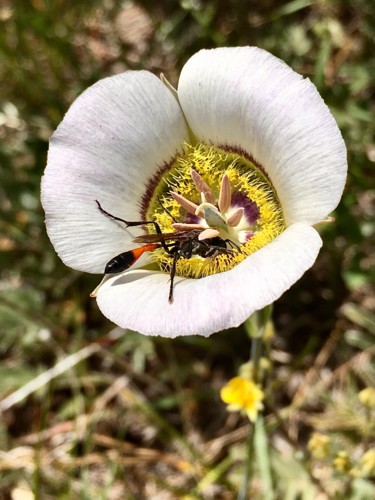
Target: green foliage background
<point>50,51</point>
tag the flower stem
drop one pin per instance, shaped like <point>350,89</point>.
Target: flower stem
<point>248,472</point>
<point>255,355</point>
<point>255,327</point>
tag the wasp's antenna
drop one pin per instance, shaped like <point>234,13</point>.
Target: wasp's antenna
<point>107,214</point>
<point>166,210</point>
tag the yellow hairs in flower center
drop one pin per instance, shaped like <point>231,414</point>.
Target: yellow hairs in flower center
<point>262,219</point>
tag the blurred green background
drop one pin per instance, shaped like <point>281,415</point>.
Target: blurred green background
<point>141,417</point>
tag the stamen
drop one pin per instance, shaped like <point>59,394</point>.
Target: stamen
<point>181,226</point>
<point>189,206</point>
<point>208,233</point>
<point>225,194</point>
<point>201,185</point>
<point>236,217</point>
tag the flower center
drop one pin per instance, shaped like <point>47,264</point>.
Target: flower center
<point>219,194</point>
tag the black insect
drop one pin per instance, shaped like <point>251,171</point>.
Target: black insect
<point>179,244</point>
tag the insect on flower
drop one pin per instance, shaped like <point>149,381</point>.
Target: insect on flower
<point>178,244</point>
<point>243,154</point>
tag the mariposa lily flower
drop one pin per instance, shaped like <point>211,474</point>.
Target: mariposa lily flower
<point>245,156</point>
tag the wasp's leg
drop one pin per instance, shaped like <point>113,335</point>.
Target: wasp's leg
<point>212,252</point>
<point>134,224</point>
<point>176,256</point>
<point>169,247</point>
<point>214,248</point>
<point>189,249</point>
<point>233,244</point>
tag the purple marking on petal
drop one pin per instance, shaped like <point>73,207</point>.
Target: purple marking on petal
<point>251,208</point>
<point>151,186</point>
<point>191,219</point>
<point>249,235</point>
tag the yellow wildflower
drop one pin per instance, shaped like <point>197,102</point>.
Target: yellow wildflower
<point>243,394</point>
<point>367,397</point>
<point>319,445</point>
<point>366,465</point>
<point>342,462</point>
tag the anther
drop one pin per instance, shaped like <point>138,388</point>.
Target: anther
<point>181,226</point>
<point>189,206</point>
<point>236,217</point>
<point>201,185</point>
<point>208,233</point>
<point>225,194</point>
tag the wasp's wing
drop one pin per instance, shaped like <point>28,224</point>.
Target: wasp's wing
<point>175,236</point>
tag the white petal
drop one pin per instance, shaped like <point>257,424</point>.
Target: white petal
<point>248,99</point>
<point>112,141</point>
<point>139,299</point>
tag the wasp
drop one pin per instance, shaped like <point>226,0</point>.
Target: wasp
<point>182,244</point>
